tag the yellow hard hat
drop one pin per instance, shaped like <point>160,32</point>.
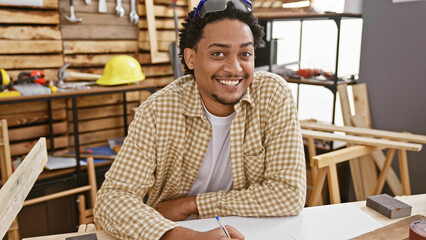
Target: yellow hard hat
<point>4,77</point>
<point>121,69</point>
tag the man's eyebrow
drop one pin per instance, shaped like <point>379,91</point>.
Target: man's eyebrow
<point>246,44</point>
<point>229,46</point>
<point>219,45</point>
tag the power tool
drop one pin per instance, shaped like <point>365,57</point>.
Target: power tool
<point>31,77</point>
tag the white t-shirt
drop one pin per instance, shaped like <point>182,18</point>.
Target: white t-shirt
<point>215,173</point>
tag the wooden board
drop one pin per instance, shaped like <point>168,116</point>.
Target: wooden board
<point>21,119</point>
<point>47,4</point>
<point>31,132</point>
<point>397,231</point>
<point>70,32</point>
<point>102,111</point>
<point>361,131</point>
<point>22,148</point>
<point>98,124</point>
<point>161,23</point>
<point>164,11</point>
<point>98,136</point>
<point>103,100</point>
<point>30,32</point>
<point>89,60</point>
<point>163,46</point>
<point>157,70</point>
<point>95,18</point>
<point>29,107</point>
<point>30,46</point>
<point>362,140</point>
<point>110,46</point>
<point>16,189</point>
<point>31,61</point>
<point>165,35</point>
<point>145,58</point>
<point>29,16</point>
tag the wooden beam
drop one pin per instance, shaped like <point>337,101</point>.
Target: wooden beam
<point>361,131</point>
<point>162,45</point>
<point>403,169</point>
<point>17,187</point>
<point>161,10</point>
<point>97,46</point>
<point>31,132</point>
<point>90,60</point>
<point>30,32</point>
<point>165,36</point>
<point>47,4</point>
<point>96,19</point>
<point>361,104</point>
<point>362,140</point>
<point>22,148</point>
<point>344,154</point>
<point>20,119</point>
<point>30,46</point>
<point>70,32</point>
<point>31,61</point>
<point>354,164</point>
<point>6,164</point>
<point>161,23</point>
<point>384,171</point>
<point>8,16</point>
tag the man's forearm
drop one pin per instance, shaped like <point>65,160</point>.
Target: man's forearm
<point>178,209</point>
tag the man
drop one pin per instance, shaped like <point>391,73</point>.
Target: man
<point>221,141</point>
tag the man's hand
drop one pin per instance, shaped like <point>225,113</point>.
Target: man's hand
<point>215,234</point>
<point>178,209</point>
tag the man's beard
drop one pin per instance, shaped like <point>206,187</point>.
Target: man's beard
<point>224,102</point>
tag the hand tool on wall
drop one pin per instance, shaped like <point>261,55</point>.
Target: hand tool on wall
<point>119,9</point>
<point>173,49</point>
<point>72,18</point>
<point>102,7</point>
<point>134,17</point>
<point>63,74</point>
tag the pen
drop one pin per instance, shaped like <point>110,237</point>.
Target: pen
<point>223,228</point>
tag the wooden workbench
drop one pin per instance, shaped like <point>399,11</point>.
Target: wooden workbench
<point>418,202</point>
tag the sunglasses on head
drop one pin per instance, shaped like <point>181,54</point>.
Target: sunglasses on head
<point>209,6</point>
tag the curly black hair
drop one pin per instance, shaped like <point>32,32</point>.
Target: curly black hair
<point>192,30</point>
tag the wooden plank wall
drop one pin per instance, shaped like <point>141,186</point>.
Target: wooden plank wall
<point>30,39</point>
<point>40,38</point>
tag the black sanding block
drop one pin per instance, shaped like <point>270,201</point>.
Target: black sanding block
<point>388,206</point>
<point>91,236</point>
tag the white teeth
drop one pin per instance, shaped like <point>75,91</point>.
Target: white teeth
<point>229,83</point>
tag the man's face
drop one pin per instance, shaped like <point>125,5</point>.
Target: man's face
<point>223,64</point>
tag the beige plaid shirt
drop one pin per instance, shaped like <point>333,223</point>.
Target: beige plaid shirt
<point>166,145</point>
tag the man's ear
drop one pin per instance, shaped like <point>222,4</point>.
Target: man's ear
<point>189,56</point>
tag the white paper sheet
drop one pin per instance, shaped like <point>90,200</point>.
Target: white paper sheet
<point>340,221</point>
<point>61,162</point>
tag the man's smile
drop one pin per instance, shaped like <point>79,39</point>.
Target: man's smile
<point>229,82</point>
